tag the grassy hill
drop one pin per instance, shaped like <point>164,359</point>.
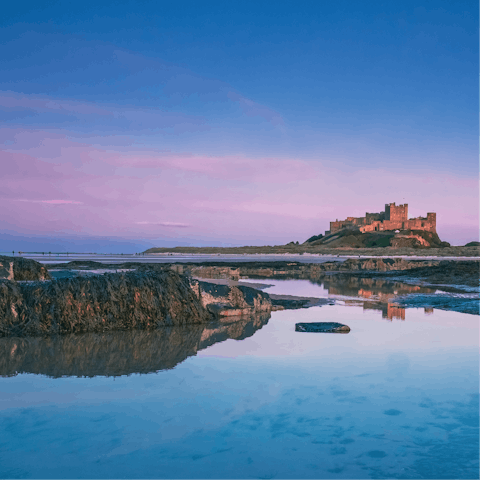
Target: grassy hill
<point>355,239</point>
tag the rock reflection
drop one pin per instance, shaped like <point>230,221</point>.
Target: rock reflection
<point>118,353</point>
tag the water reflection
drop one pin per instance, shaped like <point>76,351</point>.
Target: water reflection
<point>382,295</point>
<point>118,353</point>
<point>379,293</point>
<point>370,288</point>
<point>389,400</point>
<point>389,311</point>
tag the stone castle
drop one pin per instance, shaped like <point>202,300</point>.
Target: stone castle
<point>393,218</point>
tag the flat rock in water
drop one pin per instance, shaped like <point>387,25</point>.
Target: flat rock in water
<point>322,327</point>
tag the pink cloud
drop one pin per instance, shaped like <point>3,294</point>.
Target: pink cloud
<point>58,148</point>
<point>236,199</point>
<point>165,224</point>
<point>230,167</point>
<point>49,202</point>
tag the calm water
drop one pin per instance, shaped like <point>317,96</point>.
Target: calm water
<point>397,397</point>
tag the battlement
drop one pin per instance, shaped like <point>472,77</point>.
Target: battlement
<point>395,217</point>
<point>395,213</point>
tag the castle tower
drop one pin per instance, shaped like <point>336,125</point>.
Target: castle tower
<point>395,213</point>
<point>432,221</point>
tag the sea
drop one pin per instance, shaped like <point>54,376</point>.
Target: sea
<point>396,397</point>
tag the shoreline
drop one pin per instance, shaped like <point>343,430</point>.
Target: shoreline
<point>449,277</point>
<point>86,296</point>
<point>452,251</point>
<point>236,257</point>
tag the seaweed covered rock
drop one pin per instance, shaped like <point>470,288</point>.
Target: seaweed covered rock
<point>226,300</point>
<point>19,269</point>
<point>322,327</point>
<point>134,300</point>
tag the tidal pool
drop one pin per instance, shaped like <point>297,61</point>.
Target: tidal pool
<point>394,398</point>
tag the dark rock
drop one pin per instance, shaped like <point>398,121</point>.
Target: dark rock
<point>442,301</point>
<point>435,272</point>
<point>447,272</point>
<point>133,300</point>
<point>291,302</point>
<point>21,269</point>
<point>227,300</point>
<point>322,327</point>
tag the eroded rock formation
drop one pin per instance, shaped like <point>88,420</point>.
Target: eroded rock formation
<point>143,299</point>
<point>226,301</point>
<point>301,270</point>
<point>102,303</point>
<point>21,269</point>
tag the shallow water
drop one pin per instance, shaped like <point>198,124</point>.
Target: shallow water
<point>217,257</point>
<point>183,258</point>
<point>393,398</point>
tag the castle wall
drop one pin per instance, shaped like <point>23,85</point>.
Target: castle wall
<point>335,226</point>
<point>372,217</point>
<point>348,222</point>
<point>393,224</point>
<point>372,227</point>
<point>428,224</point>
<point>395,217</point>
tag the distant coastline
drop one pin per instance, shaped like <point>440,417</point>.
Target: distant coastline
<point>303,249</point>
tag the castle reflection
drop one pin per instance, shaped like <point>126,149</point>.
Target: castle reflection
<point>380,294</point>
<point>389,311</point>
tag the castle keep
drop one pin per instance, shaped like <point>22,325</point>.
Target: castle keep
<point>395,217</point>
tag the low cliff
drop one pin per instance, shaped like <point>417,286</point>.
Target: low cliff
<point>144,299</point>
<point>228,301</point>
<point>134,300</point>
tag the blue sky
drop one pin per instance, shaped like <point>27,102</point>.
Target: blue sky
<point>243,122</point>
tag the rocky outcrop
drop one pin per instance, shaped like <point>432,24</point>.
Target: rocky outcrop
<point>142,299</point>
<point>221,270</point>
<point>210,271</point>
<point>322,327</point>
<point>405,241</point>
<point>384,264</point>
<point>21,269</point>
<point>302,270</point>
<point>447,273</point>
<point>291,302</point>
<point>454,303</point>
<point>134,300</point>
<point>227,301</point>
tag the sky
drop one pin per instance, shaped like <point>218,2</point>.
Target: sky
<point>126,125</point>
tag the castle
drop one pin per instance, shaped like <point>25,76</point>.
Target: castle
<point>393,218</point>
